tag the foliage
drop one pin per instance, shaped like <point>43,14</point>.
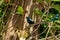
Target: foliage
<point>51,9</point>
<point>20,10</point>
<point>50,16</point>
<point>37,11</point>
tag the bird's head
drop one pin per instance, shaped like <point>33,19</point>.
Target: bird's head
<point>28,17</point>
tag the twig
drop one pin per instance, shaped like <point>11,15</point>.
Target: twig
<point>4,12</point>
<point>50,25</point>
<point>41,33</point>
<point>10,20</point>
<point>50,37</point>
<point>41,20</point>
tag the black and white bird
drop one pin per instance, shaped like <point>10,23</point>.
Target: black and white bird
<point>29,20</point>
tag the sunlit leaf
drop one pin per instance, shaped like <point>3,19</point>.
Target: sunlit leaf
<point>58,27</point>
<point>57,21</point>
<point>1,1</point>
<point>19,13</point>
<point>26,35</point>
<point>1,12</point>
<point>37,11</point>
<point>47,19</point>
<point>55,0</point>
<point>20,10</point>
<point>18,33</point>
<point>48,1</point>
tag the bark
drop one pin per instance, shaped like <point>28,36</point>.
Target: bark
<point>20,20</point>
<point>27,7</point>
<point>10,31</point>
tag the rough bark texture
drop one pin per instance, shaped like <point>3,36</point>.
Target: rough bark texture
<point>20,21</point>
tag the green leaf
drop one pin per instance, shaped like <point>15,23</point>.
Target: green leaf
<point>20,10</point>
<point>0,10</point>
<point>48,1</point>
<point>58,27</point>
<point>1,1</point>
<point>57,21</point>
<point>19,13</point>
<point>37,11</point>
<point>47,19</point>
<point>39,1</point>
<point>44,14</point>
<point>55,0</point>
<point>57,7</point>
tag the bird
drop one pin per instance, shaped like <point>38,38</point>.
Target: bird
<point>29,20</point>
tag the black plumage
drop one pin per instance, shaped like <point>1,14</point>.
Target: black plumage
<point>29,20</point>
